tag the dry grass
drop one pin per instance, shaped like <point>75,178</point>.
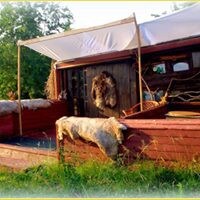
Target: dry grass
<point>50,84</point>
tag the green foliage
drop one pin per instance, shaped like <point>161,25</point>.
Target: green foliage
<point>92,179</point>
<point>22,21</point>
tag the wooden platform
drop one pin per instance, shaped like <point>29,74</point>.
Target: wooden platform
<point>20,156</point>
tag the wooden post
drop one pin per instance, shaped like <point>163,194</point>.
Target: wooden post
<point>139,62</point>
<point>19,90</point>
<point>56,76</point>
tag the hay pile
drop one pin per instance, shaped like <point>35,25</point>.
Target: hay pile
<point>50,84</point>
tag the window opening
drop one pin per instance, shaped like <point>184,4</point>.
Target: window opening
<point>159,68</point>
<point>180,66</point>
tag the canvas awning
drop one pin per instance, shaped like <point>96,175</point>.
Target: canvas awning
<point>117,36</point>
<point>179,25</point>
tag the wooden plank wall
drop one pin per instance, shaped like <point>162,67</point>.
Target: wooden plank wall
<point>32,120</point>
<point>40,119</point>
<point>6,126</point>
<point>80,150</point>
<point>161,81</point>
<point>160,140</point>
<point>124,74</point>
<point>167,140</point>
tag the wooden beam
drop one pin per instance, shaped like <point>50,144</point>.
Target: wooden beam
<point>139,62</point>
<point>171,45</point>
<point>108,57</point>
<point>19,90</point>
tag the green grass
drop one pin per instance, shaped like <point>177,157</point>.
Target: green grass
<point>92,179</point>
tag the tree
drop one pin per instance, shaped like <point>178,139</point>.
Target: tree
<point>21,21</point>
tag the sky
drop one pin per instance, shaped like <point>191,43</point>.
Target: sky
<point>94,13</point>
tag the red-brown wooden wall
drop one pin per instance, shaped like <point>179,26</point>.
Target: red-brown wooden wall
<point>165,139</point>
<point>39,119</point>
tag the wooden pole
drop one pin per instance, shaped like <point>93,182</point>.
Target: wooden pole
<point>19,90</point>
<point>56,76</point>
<point>139,62</point>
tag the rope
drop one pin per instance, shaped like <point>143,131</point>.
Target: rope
<point>174,79</point>
<point>146,85</point>
<point>188,96</point>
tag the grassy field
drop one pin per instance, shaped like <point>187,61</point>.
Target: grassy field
<point>142,179</point>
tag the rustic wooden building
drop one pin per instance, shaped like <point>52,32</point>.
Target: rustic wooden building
<point>178,60</point>
<point>78,83</point>
<point>170,49</point>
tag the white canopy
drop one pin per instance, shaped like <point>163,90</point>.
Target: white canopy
<point>182,24</point>
<point>118,36</point>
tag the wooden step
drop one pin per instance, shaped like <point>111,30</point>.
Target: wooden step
<point>15,164</point>
<point>23,157</point>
